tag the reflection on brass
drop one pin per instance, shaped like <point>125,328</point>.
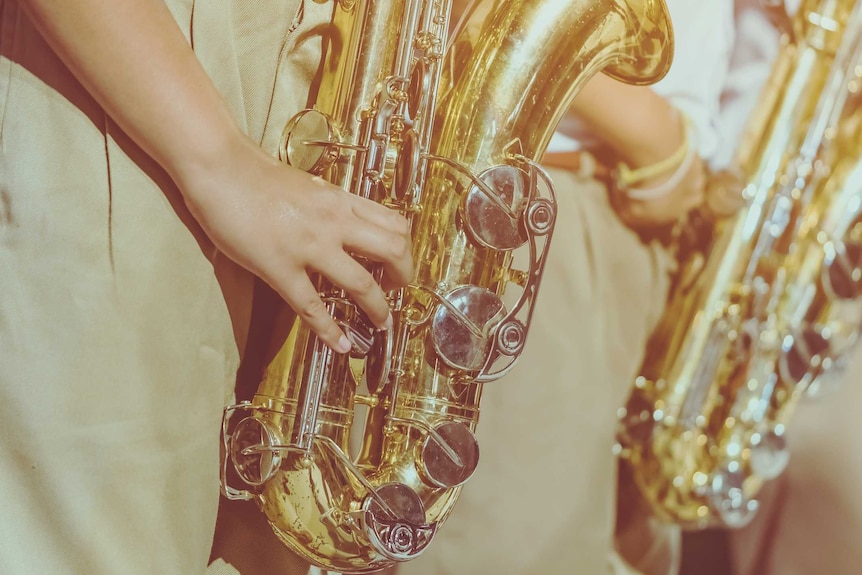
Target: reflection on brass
<point>405,120</point>
<point>767,299</point>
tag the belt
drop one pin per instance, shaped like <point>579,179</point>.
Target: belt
<point>583,163</point>
<point>587,165</point>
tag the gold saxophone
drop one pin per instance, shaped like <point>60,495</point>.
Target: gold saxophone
<point>766,302</point>
<point>459,163</point>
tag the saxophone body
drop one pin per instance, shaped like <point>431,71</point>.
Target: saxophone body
<point>824,304</point>
<point>766,302</point>
<point>357,459</point>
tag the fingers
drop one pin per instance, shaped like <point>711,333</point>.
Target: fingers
<point>378,214</point>
<point>343,224</point>
<point>300,294</point>
<point>382,243</point>
<point>340,268</point>
<point>345,272</point>
<point>666,209</point>
<point>358,282</point>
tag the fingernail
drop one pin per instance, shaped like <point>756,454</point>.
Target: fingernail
<point>343,345</point>
<point>388,323</point>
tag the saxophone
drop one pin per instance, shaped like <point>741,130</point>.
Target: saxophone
<point>766,301</point>
<point>450,139</point>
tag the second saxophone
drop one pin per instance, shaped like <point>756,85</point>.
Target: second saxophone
<point>764,308</point>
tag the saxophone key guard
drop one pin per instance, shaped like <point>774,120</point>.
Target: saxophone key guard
<point>401,537</point>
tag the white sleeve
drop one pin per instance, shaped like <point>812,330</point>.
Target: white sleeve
<point>703,41</point>
<point>753,56</point>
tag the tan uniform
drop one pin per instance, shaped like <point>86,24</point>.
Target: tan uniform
<point>120,325</point>
<point>542,499</point>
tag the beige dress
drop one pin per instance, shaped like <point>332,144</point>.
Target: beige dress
<point>542,498</point>
<point>120,325</point>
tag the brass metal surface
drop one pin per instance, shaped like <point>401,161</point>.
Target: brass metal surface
<point>450,140</point>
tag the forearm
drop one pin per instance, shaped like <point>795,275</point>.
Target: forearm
<point>277,221</point>
<point>638,124</point>
<point>133,58</point>
<point>649,135</point>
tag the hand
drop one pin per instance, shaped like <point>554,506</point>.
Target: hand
<point>669,208</point>
<point>724,192</point>
<point>280,223</point>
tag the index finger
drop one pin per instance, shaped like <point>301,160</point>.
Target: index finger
<point>300,294</point>
<point>392,249</point>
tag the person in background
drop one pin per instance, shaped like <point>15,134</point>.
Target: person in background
<point>138,194</point>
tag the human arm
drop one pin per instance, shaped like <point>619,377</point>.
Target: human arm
<point>640,123</point>
<point>276,221</point>
<point>642,129</point>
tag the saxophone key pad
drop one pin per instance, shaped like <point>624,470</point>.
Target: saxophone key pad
<point>308,142</point>
<point>407,167</point>
<point>378,361</point>
<point>253,452</point>
<point>728,499</point>
<point>494,217</point>
<point>462,328</point>
<point>450,465</point>
<point>419,90</point>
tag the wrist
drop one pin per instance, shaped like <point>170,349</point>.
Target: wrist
<point>650,145</point>
<point>658,179</point>
<point>661,168</point>
<point>208,153</point>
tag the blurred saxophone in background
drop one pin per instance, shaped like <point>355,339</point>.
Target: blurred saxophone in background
<point>767,300</point>
<point>459,162</point>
